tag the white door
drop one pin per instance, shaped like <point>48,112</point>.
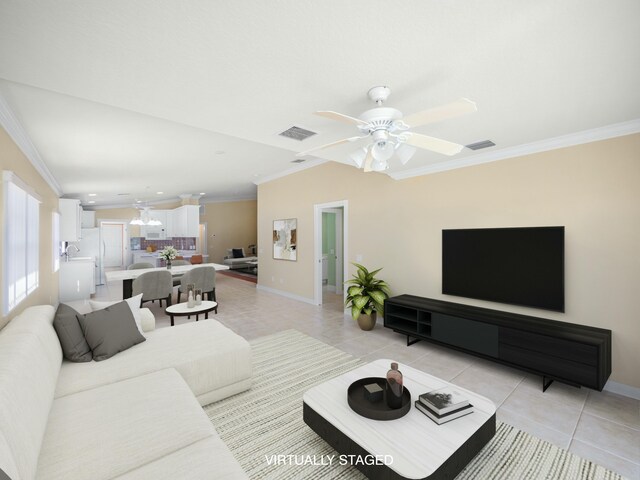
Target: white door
<point>113,236</point>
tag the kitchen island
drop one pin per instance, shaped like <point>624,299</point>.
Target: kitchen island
<point>127,276</point>
<point>154,259</point>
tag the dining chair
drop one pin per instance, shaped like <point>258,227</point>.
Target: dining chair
<point>140,265</point>
<point>177,263</point>
<point>153,286</point>
<point>203,278</point>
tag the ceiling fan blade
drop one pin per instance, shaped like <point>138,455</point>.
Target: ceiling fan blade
<point>434,144</point>
<point>368,162</point>
<point>443,112</point>
<point>340,117</point>
<point>332,144</point>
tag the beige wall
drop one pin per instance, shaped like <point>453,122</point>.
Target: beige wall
<point>11,158</point>
<point>229,225</point>
<point>591,189</point>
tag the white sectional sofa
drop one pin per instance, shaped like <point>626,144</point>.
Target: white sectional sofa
<point>136,415</point>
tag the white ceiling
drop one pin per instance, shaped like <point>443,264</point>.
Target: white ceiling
<point>118,96</point>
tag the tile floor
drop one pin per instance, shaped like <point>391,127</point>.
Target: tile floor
<point>600,426</point>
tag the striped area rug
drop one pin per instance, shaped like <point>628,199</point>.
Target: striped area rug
<point>267,420</point>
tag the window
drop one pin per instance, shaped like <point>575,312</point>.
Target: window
<point>21,241</point>
<point>55,240</point>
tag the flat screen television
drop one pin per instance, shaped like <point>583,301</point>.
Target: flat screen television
<point>518,266</point>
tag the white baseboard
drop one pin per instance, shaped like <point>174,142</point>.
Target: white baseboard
<point>286,294</point>
<point>622,389</point>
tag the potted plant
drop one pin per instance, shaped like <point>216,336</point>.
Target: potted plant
<point>168,253</point>
<point>366,297</point>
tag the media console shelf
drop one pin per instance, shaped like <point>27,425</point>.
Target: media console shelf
<point>574,354</point>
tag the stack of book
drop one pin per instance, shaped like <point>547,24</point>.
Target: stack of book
<point>444,404</point>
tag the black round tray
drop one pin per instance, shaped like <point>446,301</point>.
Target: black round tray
<point>375,410</point>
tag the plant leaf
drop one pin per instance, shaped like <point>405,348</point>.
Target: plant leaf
<point>378,296</point>
<point>354,290</point>
<point>360,301</point>
<point>355,312</point>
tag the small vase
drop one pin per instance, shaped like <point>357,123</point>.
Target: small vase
<point>168,264</point>
<point>394,387</point>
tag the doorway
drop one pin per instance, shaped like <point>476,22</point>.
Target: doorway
<point>114,247</point>
<point>330,253</point>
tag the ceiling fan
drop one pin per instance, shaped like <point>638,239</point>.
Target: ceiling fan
<point>389,131</point>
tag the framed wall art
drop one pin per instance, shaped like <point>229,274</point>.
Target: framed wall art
<point>285,236</point>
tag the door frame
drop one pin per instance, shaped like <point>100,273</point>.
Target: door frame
<point>317,220</point>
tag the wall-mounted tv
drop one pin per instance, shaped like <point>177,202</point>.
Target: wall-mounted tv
<point>518,266</point>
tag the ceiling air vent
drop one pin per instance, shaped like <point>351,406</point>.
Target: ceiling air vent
<point>481,145</point>
<point>298,160</point>
<point>297,133</point>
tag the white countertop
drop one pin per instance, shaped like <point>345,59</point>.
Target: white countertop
<point>116,275</point>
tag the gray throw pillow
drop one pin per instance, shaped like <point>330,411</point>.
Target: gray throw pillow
<point>74,346</point>
<point>110,331</point>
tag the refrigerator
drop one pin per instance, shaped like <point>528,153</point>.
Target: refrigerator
<point>91,246</point>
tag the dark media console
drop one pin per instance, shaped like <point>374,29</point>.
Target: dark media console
<point>574,354</point>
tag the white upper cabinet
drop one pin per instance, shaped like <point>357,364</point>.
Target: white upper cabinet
<point>184,221</point>
<point>70,219</point>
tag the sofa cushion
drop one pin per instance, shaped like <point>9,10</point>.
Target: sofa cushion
<point>30,358</point>
<point>133,302</point>
<point>110,330</point>
<point>207,354</point>
<point>74,346</point>
<point>111,430</point>
<point>207,459</point>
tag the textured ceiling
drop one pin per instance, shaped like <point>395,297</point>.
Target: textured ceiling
<point>124,95</point>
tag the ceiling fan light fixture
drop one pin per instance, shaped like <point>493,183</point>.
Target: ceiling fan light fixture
<point>136,221</point>
<point>358,156</point>
<point>404,152</point>
<point>379,165</point>
<point>382,151</point>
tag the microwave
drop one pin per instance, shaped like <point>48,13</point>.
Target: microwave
<point>155,233</point>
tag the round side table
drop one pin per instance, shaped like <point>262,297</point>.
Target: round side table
<point>181,310</point>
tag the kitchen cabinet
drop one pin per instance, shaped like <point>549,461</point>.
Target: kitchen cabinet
<point>76,280</point>
<point>184,221</point>
<point>70,219</point>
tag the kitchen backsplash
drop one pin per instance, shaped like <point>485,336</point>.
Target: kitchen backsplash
<point>180,243</point>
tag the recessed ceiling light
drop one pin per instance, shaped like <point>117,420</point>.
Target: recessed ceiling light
<point>159,193</point>
<point>92,201</point>
<point>138,201</point>
<point>92,194</point>
<point>202,193</point>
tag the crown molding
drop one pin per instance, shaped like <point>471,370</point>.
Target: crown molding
<point>290,171</point>
<point>239,198</point>
<point>578,138</point>
<point>18,134</point>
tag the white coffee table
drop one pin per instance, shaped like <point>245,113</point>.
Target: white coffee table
<point>183,310</point>
<point>418,447</point>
